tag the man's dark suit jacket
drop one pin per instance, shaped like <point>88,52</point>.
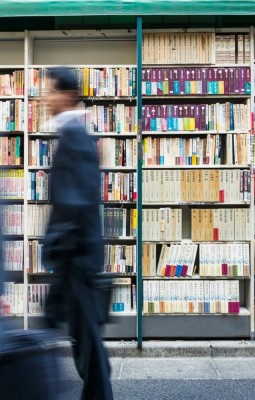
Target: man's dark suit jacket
<point>73,246</point>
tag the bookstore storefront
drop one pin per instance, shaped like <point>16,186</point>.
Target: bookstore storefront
<point>168,89</point>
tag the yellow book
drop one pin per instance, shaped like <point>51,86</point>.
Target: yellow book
<point>86,81</point>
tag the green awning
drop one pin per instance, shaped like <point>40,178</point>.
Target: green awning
<point>16,8</point>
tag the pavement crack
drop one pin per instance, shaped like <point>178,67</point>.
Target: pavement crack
<point>216,369</point>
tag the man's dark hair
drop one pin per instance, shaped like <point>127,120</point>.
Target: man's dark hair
<point>64,77</point>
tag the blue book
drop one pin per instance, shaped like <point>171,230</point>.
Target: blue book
<point>187,87</point>
<point>232,124</point>
<point>178,270</point>
<point>177,87</point>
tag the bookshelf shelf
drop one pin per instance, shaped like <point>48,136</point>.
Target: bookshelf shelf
<point>39,202</point>
<point>44,135</point>
<point>120,238</point>
<point>126,203</point>
<point>12,166</point>
<point>10,133</point>
<point>117,168</point>
<point>196,65</point>
<point>12,97</point>
<point>195,277</point>
<point>244,312</point>
<point>189,133</point>
<point>34,167</point>
<point>197,203</point>
<point>204,166</point>
<point>195,96</point>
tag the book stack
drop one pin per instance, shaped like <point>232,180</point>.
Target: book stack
<point>118,222</point>
<point>223,224</point>
<point>177,260</point>
<point>232,49</point>
<point>38,185</point>
<point>196,185</point>
<point>120,259</point>
<point>36,266</point>
<point>13,298</point>
<point>12,112</point>
<point>162,224</point>
<point>102,82</point>
<point>217,117</point>
<point>11,150</point>
<point>117,152</point>
<point>37,294</point>
<point>191,297</point>
<point>12,84</point>
<point>230,259</point>
<point>122,298</point>
<point>118,186</point>
<point>12,183</point>
<point>196,81</point>
<point>41,152</point>
<point>38,216</point>
<point>12,219</point>
<point>13,255</point>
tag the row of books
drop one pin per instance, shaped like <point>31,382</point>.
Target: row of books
<point>11,150</point>
<point>11,219</point>
<point>118,186</point>
<point>191,297</point>
<point>41,152</point>
<point>178,48</point>
<point>195,48</point>
<point>12,115</point>
<point>12,183</point>
<point>37,295</point>
<point>13,296</point>
<point>38,216</point>
<point>123,296</point>
<point>118,222</point>
<point>230,149</point>
<point>35,266</point>
<point>107,81</point>
<point>162,224</point>
<point>160,118</point>
<point>181,260</point>
<point>38,185</point>
<point>12,84</point>
<point>221,224</point>
<point>196,117</point>
<point>196,185</point>
<point>196,81</point>
<point>120,258</point>
<point>119,118</point>
<point>176,260</point>
<point>231,259</point>
<point>13,255</point>
<point>232,49</point>
<point>117,152</point>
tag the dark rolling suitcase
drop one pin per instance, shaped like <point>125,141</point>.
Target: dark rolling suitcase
<point>28,365</point>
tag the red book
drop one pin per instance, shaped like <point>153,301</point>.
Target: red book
<point>167,270</point>
<point>224,269</point>
<point>221,196</point>
<point>106,184</point>
<point>215,233</point>
<point>172,270</point>
<point>184,270</point>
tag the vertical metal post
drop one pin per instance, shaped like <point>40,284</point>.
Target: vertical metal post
<point>25,208</point>
<point>139,184</point>
<point>251,300</point>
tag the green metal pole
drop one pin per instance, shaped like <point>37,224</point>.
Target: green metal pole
<point>139,185</point>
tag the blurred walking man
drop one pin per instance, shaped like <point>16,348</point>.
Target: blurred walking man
<point>73,244</point>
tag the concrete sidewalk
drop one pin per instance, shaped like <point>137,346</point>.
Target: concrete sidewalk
<point>166,349</point>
